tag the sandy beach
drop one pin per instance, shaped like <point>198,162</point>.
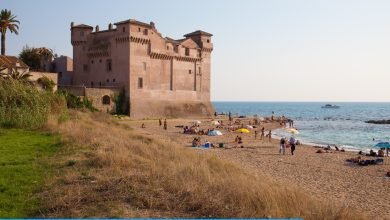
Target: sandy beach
<point>324,175</point>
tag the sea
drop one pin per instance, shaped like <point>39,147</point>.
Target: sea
<point>344,127</point>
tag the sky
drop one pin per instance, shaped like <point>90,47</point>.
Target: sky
<point>264,50</point>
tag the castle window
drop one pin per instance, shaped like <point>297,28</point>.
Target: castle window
<point>85,67</point>
<point>113,80</point>
<point>109,65</point>
<point>140,83</point>
<point>199,53</point>
<point>189,71</point>
<point>139,29</point>
<point>145,31</point>
<point>100,60</point>
<point>124,29</point>
<point>176,49</point>
<point>167,47</point>
<point>187,51</point>
<point>92,61</point>
<point>60,74</point>
<point>208,40</point>
<point>106,100</point>
<point>144,66</point>
<point>91,84</point>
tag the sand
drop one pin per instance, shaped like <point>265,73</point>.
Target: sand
<point>325,175</point>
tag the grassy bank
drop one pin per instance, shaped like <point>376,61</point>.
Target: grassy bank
<point>24,157</point>
<point>111,171</point>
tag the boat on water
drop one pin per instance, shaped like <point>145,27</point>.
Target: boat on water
<point>330,106</point>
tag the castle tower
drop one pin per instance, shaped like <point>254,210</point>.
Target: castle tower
<point>79,38</point>
<point>203,70</point>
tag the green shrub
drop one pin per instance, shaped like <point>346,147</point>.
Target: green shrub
<point>46,83</point>
<point>24,106</point>
<point>121,107</point>
<point>76,102</point>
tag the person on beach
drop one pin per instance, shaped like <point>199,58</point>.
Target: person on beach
<point>381,152</point>
<point>292,144</point>
<point>282,148</point>
<point>262,134</point>
<point>269,135</point>
<point>165,124</point>
<point>159,122</point>
<point>255,134</point>
<point>230,116</point>
<point>143,125</point>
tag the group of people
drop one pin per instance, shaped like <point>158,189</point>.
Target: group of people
<point>284,143</point>
<point>194,129</point>
<point>165,123</point>
<point>381,153</point>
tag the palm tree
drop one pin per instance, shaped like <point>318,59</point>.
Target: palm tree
<point>13,73</point>
<point>7,22</point>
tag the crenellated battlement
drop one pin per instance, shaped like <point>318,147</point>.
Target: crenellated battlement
<point>151,68</point>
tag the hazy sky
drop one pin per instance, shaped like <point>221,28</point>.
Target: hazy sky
<point>270,50</point>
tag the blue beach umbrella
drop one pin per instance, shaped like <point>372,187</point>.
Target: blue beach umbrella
<point>383,145</point>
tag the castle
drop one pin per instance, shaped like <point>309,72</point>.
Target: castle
<point>160,76</point>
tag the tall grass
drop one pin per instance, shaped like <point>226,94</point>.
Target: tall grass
<point>109,171</point>
<point>23,106</point>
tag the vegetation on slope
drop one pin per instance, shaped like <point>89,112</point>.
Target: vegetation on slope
<point>110,171</point>
<point>23,167</point>
<point>23,106</point>
<point>107,170</point>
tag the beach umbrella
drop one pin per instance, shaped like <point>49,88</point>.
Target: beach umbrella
<point>214,133</point>
<point>383,145</point>
<point>196,122</point>
<point>243,130</point>
<point>249,126</point>
<point>292,131</point>
<point>215,123</point>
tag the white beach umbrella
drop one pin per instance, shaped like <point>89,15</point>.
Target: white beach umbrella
<point>215,123</point>
<point>214,133</point>
<point>196,122</point>
<point>249,126</point>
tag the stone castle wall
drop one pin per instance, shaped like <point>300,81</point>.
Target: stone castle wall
<point>102,98</point>
<point>155,71</point>
<point>170,109</point>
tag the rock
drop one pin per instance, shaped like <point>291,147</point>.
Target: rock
<point>378,121</point>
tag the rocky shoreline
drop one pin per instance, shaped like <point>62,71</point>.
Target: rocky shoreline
<point>381,122</point>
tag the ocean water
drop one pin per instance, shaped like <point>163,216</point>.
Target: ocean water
<point>344,127</point>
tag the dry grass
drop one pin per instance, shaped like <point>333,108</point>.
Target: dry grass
<point>111,171</point>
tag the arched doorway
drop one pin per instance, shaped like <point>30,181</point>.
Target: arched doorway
<point>106,100</point>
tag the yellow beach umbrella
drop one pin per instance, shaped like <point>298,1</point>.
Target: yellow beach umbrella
<point>292,130</point>
<point>243,130</point>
